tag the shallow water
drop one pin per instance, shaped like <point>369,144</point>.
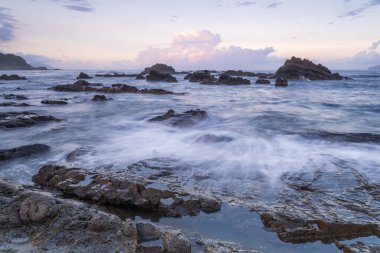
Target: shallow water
<point>263,133</point>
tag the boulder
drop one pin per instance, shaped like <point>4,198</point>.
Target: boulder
<point>53,102</point>
<point>281,82</point>
<point>99,98</point>
<point>5,77</point>
<point>303,69</point>
<point>185,119</point>
<point>238,73</point>
<point>200,76</point>
<point>176,242</point>
<point>262,81</point>
<point>83,75</point>
<point>228,80</point>
<point>155,76</point>
<point>159,67</point>
<point>23,119</point>
<point>12,153</point>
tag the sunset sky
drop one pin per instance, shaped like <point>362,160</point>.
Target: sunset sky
<point>197,34</point>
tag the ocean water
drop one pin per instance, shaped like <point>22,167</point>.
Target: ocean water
<point>266,133</point>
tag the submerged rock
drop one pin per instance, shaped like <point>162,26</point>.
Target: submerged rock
<point>159,67</point>
<point>200,76</point>
<point>53,102</point>
<point>16,97</point>
<point>155,76</point>
<point>185,119</point>
<point>300,69</point>
<point>5,77</point>
<point>99,98</point>
<point>14,104</point>
<point>116,75</point>
<point>281,82</point>
<point>83,75</point>
<point>262,81</point>
<point>12,153</point>
<point>23,119</point>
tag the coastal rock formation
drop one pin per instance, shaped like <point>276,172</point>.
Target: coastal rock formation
<point>53,102</point>
<point>99,98</point>
<point>303,69</point>
<point>155,76</point>
<point>116,75</point>
<point>13,104</point>
<point>228,80</point>
<point>23,119</point>
<point>159,67</point>
<point>122,190</point>
<point>14,62</point>
<point>115,88</point>
<point>6,154</point>
<point>238,73</point>
<point>83,75</point>
<point>185,119</point>
<point>281,82</point>
<point>200,76</point>
<point>16,97</point>
<point>11,77</point>
<point>140,77</point>
<point>262,81</point>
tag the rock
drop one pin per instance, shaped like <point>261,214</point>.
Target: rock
<point>185,119</point>
<point>238,73</point>
<point>13,96</point>
<point>211,138</point>
<point>281,82</point>
<point>53,102</point>
<point>221,247</point>
<point>200,76</point>
<point>209,204</point>
<point>262,81</point>
<point>78,152</point>
<point>99,98</point>
<point>155,76</point>
<point>11,77</point>
<point>73,88</point>
<point>23,119</point>
<point>175,242</point>
<point>6,154</point>
<point>147,231</point>
<point>161,68</point>
<point>228,80</point>
<point>83,75</point>
<point>37,209</point>
<point>298,69</point>
<point>117,75</point>
<point>140,77</point>
<point>13,104</point>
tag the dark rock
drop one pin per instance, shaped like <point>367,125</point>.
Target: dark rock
<point>185,119</point>
<point>6,154</point>
<point>13,96</point>
<point>117,75</point>
<point>11,77</point>
<point>73,88</point>
<point>77,153</point>
<point>14,62</point>
<point>13,104</point>
<point>148,231</point>
<point>155,76</point>
<point>281,82</point>
<point>238,73</point>
<point>23,119</point>
<point>161,68</point>
<point>262,81</point>
<point>176,242</point>
<point>83,75</point>
<point>99,98</point>
<point>228,80</point>
<point>140,77</point>
<point>200,76</point>
<point>53,102</point>
<point>300,69</point>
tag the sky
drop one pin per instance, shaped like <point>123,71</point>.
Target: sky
<point>189,35</point>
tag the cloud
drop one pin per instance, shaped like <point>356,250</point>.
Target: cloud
<point>375,45</point>
<point>7,25</point>
<point>245,3</point>
<point>76,5</point>
<point>357,11</point>
<point>199,50</point>
<point>274,5</point>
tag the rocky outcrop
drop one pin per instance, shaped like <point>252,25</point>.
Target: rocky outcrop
<point>155,76</point>
<point>16,97</point>
<point>117,75</point>
<point>99,98</point>
<point>140,77</point>
<point>303,69</point>
<point>12,153</point>
<point>5,77</point>
<point>121,190</point>
<point>115,88</point>
<point>159,67</point>
<point>262,81</point>
<point>23,119</point>
<point>228,80</point>
<point>238,73</point>
<point>185,119</point>
<point>13,104</point>
<point>281,82</point>
<point>200,76</point>
<point>83,75</point>
<point>53,102</point>
<point>14,62</point>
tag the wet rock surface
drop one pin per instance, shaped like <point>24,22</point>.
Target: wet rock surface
<point>13,104</point>
<point>281,82</point>
<point>300,69</point>
<point>155,76</point>
<point>200,76</point>
<point>12,153</point>
<point>99,98</point>
<point>239,73</point>
<point>53,102</point>
<point>159,67</point>
<point>5,77</point>
<point>15,97</point>
<point>185,119</point>
<point>83,75</point>
<point>262,81</point>
<point>23,119</point>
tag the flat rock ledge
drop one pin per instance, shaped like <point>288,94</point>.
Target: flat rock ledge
<point>12,153</point>
<point>121,190</point>
<point>23,119</point>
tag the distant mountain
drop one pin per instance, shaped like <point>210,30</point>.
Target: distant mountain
<point>374,68</point>
<point>14,62</point>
